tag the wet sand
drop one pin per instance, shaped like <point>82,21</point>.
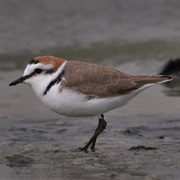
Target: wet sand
<point>35,143</point>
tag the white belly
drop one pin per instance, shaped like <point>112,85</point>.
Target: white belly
<point>70,103</point>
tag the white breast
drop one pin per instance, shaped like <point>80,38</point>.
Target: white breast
<point>70,103</point>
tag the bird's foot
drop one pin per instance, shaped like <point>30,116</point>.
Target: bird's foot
<point>83,149</point>
<point>86,150</point>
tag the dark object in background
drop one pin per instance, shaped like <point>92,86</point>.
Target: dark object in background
<point>171,67</point>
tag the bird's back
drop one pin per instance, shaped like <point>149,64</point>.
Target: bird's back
<point>98,81</point>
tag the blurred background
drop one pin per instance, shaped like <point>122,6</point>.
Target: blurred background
<point>112,32</point>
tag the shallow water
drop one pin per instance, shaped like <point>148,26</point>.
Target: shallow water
<point>135,37</point>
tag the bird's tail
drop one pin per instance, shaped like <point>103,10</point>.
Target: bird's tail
<point>151,79</point>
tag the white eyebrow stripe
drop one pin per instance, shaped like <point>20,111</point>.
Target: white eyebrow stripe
<point>31,67</point>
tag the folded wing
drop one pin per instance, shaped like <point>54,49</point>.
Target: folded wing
<point>99,81</point>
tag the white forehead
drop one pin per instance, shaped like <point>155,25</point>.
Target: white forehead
<point>31,67</point>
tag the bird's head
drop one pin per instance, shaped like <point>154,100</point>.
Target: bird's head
<point>39,69</point>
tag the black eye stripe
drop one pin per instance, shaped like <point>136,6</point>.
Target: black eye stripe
<point>39,70</point>
<point>36,71</point>
<point>49,71</point>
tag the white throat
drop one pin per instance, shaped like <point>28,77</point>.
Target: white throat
<point>40,82</point>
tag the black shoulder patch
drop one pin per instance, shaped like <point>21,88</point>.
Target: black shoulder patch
<point>33,61</point>
<point>53,82</point>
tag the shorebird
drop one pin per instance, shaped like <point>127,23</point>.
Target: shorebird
<point>81,89</point>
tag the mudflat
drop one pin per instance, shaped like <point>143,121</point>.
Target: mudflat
<point>142,139</point>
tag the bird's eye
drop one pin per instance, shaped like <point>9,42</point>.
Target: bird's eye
<point>38,70</point>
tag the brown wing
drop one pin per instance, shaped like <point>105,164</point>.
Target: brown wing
<point>95,80</point>
<point>100,81</point>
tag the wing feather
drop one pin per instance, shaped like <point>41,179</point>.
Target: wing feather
<point>100,81</point>
<point>96,80</point>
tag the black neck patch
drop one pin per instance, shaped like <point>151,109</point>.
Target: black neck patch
<point>53,82</point>
<point>33,61</point>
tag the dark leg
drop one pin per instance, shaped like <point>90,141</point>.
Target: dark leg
<point>100,128</point>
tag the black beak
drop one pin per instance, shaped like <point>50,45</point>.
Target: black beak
<point>17,81</point>
<point>21,79</point>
